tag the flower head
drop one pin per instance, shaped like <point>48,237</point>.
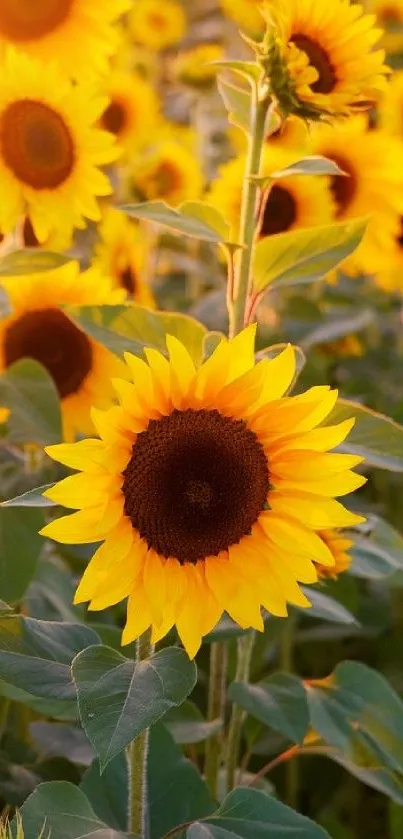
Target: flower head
<point>195,67</point>
<point>321,60</point>
<point>132,113</point>
<point>50,150</point>
<point>169,171</point>
<point>207,487</point>
<point>121,255</point>
<point>339,546</point>
<point>39,328</point>
<point>79,33</point>
<point>157,25</point>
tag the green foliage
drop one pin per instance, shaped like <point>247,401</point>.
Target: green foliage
<point>193,218</point>
<point>29,392</point>
<point>30,261</point>
<point>118,699</point>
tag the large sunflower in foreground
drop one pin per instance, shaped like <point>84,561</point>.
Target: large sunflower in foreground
<point>294,202</point>
<point>40,329</point>
<point>373,188</point>
<point>121,255</point>
<point>329,52</point>
<point>132,114</point>
<point>207,487</point>
<point>78,33</point>
<point>50,149</point>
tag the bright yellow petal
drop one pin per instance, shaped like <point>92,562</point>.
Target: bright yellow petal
<point>313,511</point>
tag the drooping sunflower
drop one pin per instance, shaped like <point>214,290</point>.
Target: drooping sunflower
<point>339,545</point>
<point>208,486</point>
<point>40,329</point>
<point>132,114</point>
<point>329,53</point>
<point>157,25</point>
<point>50,149</point>
<point>78,33</point>
<point>121,256</point>
<point>245,13</point>
<point>293,203</point>
<point>373,188</point>
<point>170,171</point>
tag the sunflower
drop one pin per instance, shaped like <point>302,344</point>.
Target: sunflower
<point>208,486</point>
<point>121,256</point>
<point>195,67</point>
<point>80,33</point>
<point>390,16</point>
<point>294,202</point>
<point>4,415</point>
<point>50,150</point>
<point>245,13</point>
<point>329,55</point>
<point>338,545</point>
<point>374,186</point>
<point>38,328</point>
<point>157,25</point>
<point>57,242</point>
<point>170,171</point>
<point>132,114</point>
<point>389,270</point>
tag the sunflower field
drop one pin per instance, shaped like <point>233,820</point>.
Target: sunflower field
<point>201,419</point>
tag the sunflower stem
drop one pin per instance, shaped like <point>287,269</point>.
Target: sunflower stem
<point>287,666</point>
<point>137,756</point>
<point>244,659</point>
<point>260,105</point>
<point>216,710</point>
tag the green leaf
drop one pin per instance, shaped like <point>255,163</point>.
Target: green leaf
<point>175,219</point>
<point>35,656</point>
<point>66,812</point>
<point>31,261</point>
<point>338,326</point>
<point>357,712</point>
<point>378,552</point>
<point>108,791</point>
<point>326,608</point>
<point>237,101</point>
<point>118,699</point>
<point>133,328</point>
<point>313,165</point>
<point>31,498</point>
<point>278,701</point>
<point>248,69</point>
<point>187,724</point>
<point>252,814</point>
<point>51,592</point>
<point>303,256</point>
<point>370,773</point>
<point>29,392</point>
<point>207,215</point>
<point>176,792</point>
<point>375,437</point>
<point>20,546</point>
<point>211,342</point>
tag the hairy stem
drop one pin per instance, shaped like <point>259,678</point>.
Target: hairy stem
<point>250,210</point>
<point>244,658</point>
<point>216,710</point>
<point>137,754</point>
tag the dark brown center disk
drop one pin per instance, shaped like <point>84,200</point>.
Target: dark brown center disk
<point>128,280</point>
<point>196,483</point>
<point>319,59</point>
<point>49,337</point>
<point>344,188</point>
<point>280,212</point>
<point>27,20</point>
<point>114,119</point>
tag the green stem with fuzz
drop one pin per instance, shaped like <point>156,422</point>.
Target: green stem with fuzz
<point>250,210</point>
<point>137,755</point>
<point>244,659</point>
<point>216,710</point>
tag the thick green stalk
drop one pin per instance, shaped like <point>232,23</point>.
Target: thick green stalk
<point>137,755</point>
<point>249,213</point>
<point>244,658</point>
<point>216,710</point>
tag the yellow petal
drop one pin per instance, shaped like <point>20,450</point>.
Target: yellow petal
<point>154,585</point>
<point>114,426</point>
<point>83,490</point>
<point>331,487</point>
<point>85,526</point>
<point>234,595</point>
<point>189,619</point>
<point>139,617</point>
<point>280,372</point>
<point>241,352</point>
<point>183,370</point>
<point>85,455</point>
<point>287,533</point>
<point>319,439</point>
<point>313,511</point>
